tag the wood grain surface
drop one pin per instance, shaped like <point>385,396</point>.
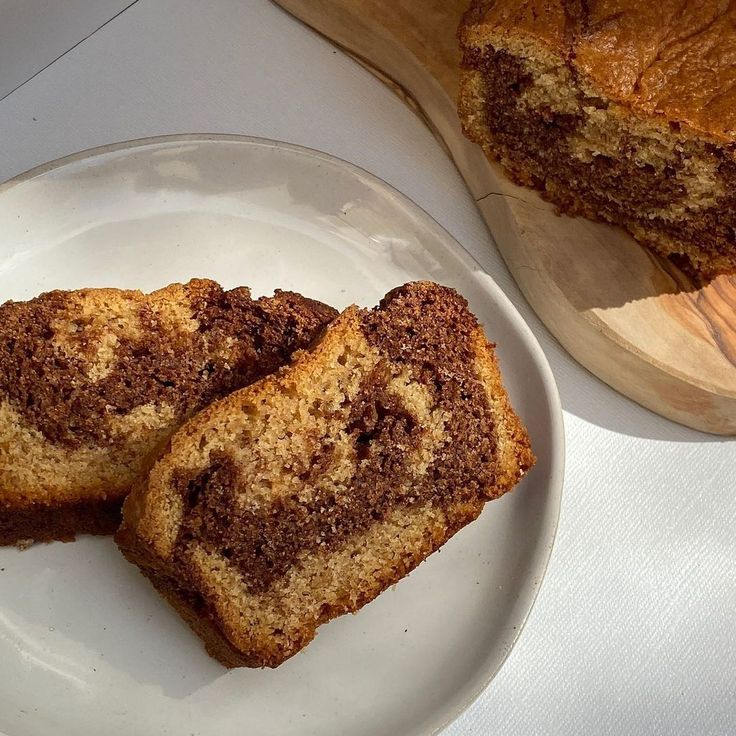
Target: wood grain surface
<point>628,316</point>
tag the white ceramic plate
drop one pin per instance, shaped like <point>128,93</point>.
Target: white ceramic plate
<point>86,645</point>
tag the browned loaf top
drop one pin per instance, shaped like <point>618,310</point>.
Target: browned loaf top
<point>93,383</point>
<point>620,110</point>
<point>672,58</point>
<point>305,495</point>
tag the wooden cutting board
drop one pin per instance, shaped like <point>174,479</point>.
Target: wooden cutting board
<point>632,319</point>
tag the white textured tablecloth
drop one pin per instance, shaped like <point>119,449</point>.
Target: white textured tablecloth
<point>634,629</point>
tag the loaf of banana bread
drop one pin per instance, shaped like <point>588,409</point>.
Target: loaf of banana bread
<point>618,110</point>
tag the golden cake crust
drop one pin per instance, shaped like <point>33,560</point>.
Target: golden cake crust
<point>671,59</point>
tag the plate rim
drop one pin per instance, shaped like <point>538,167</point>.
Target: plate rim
<point>553,401</point>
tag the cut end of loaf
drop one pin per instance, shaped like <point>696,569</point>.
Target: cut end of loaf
<point>305,495</point>
<point>542,101</point>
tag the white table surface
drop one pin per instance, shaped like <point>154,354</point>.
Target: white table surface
<point>634,630</point>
